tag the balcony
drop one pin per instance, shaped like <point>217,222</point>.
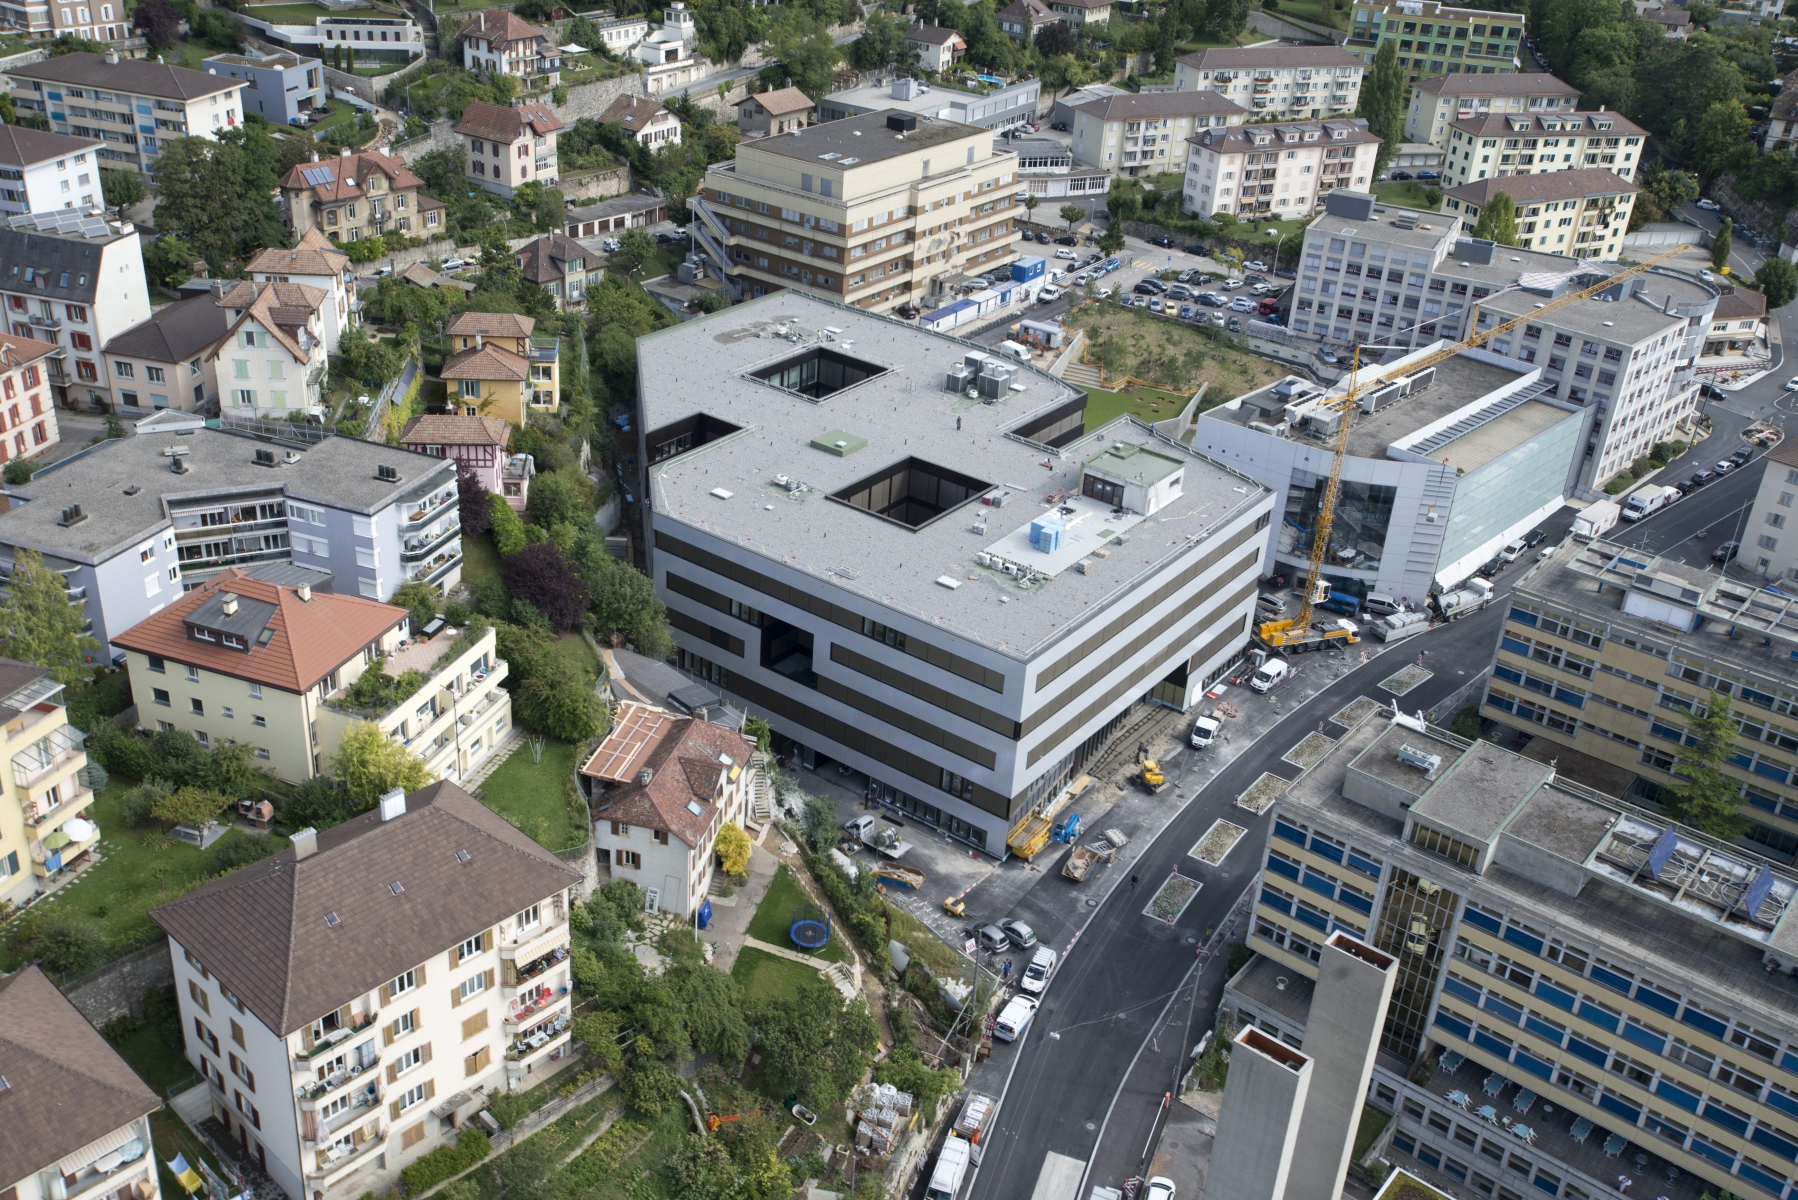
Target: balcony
<point>530,949</point>
<point>32,764</point>
<point>312,1092</point>
<point>521,973</point>
<point>44,320</point>
<point>367,1097</point>
<point>122,1180</point>
<point>331,1159</point>
<point>335,1038</point>
<point>544,349</point>
<point>546,1037</point>
<point>417,548</point>
<point>68,799</point>
<point>530,1008</point>
<point>437,568</point>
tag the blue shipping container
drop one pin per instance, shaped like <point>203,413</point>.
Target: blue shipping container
<point>1027,268</point>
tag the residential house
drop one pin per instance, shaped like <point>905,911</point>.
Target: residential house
<point>1277,82</point>
<point>79,1119</point>
<point>45,831</point>
<point>498,368</point>
<point>271,360</point>
<point>1437,103</point>
<point>1494,144</point>
<point>667,53</point>
<point>356,997</point>
<point>621,35</point>
<point>1284,169</point>
<point>164,362</point>
<point>779,110</point>
<point>1021,19</point>
<point>97,22</point>
<point>421,275</point>
<point>660,787</point>
<point>648,122</point>
<point>633,210</point>
<point>1583,211</point>
<point>509,145</point>
<point>1131,134</point>
<point>1770,530</point>
<point>160,102</point>
<point>381,36</point>
<point>1675,23</point>
<point>316,262</point>
<point>359,194</point>
<point>937,48</point>
<point>498,42</point>
<point>40,171</point>
<point>27,413</point>
<point>1737,339</point>
<point>1081,13</point>
<point>285,88</point>
<point>561,266</point>
<point>1437,39</point>
<point>75,282</point>
<point>478,443</point>
<point>1782,119</point>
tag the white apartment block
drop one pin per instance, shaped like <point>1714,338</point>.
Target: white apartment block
<point>1436,104</point>
<point>272,359</point>
<point>1494,144</point>
<point>1129,134</point>
<point>1770,534</point>
<point>40,171</point>
<point>1282,169</point>
<point>133,105</point>
<point>351,1000</point>
<point>1290,83</point>
<point>499,43</point>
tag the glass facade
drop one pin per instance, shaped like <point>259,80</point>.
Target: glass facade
<point>1358,534</point>
<point>1504,492</point>
<point>1411,928</point>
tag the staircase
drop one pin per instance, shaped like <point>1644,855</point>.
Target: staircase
<point>761,793</point>
<point>1081,375</point>
<point>841,979</point>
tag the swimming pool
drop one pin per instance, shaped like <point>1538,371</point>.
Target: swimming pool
<point>990,79</point>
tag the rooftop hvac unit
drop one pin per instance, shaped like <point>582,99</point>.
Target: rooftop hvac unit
<point>1379,398</point>
<point>1411,756</point>
<point>994,384</point>
<point>975,360</point>
<point>959,378</point>
<point>265,458</point>
<point>388,473</point>
<point>1420,381</point>
<point>1324,421</point>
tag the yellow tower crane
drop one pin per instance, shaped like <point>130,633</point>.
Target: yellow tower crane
<point>1295,633</point>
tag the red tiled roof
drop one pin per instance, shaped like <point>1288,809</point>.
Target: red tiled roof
<point>498,25</point>
<point>781,101</point>
<point>446,429</point>
<point>344,176</point>
<point>685,769</point>
<point>487,362</point>
<point>16,351</point>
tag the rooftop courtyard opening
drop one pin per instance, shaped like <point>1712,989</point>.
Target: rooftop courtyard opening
<point>817,372</point>
<point>912,492</point>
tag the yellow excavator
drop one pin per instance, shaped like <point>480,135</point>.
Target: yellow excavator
<point>1296,634</point>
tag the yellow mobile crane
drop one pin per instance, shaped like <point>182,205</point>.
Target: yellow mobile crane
<point>1295,633</point>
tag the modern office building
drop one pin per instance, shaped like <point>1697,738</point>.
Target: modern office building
<point>876,210</point>
<point>140,105</point>
<point>132,522</point>
<point>1489,145</point>
<point>1585,991</point>
<point>46,835</point>
<point>1127,134</point>
<point>1436,39</point>
<point>285,88</point>
<point>1581,213</point>
<point>1437,103</point>
<point>1282,169</point>
<point>1274,81</point>
<point>1014,103</point>
<point>959,620</point>
<point>352,1000</point>
<point>367,37</point>
<point>47,170</point>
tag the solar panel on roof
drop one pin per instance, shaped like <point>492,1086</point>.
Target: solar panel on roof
<point>1757,891</point>
<point>318,175</point>
<point>1663,850</point>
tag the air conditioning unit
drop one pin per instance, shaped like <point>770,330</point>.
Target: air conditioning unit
<point>1424,761</point>
<point>387,473</point>
<point>265,458</point>
<point>960,377</point>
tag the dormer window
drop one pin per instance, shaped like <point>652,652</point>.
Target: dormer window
<point>205,635</point>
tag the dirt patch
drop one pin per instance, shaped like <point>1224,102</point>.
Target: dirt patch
<point>1173,897</point>
<point>1356,711</point>
<point>1309,752</point>
<point>1262,793</point>
<point>1167,353</point>
<point>1405,680</point>
<point>1217,842</point>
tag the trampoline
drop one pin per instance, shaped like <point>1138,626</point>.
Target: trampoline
<point>810,929</point>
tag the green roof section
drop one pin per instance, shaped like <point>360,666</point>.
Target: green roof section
<point>835,441</point>
<point>1134,464</point>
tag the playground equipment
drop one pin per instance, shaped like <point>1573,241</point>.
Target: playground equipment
<point>810,928</point>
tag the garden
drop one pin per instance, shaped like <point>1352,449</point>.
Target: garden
<point>1162,353</point>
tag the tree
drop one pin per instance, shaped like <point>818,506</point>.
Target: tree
<point>190,805</point>
<point>1072,214</point>
<point>508,527</point>
<point>1720,246</point>
<point>421,598</point>
<point>40,625</point>
<point>1721,139</point>
<point>1383,94</point>
<point>1224,19</point>
<point>558,497</point>
<point>61,939</point>
<point>1664,191</point>
<point>881,45</point>
<point>1709,800</point>
<point>635,247</point>
<point>19,471</point>
<point>1112,240</point>
<point>1030,204</point>
<point>168,260</point>
<point>216,195</point>
<point>471,497</point>
<point>366,360</point>
<point>122,189</point>
<point>1498,220</point>
<point>1778,280</point>
<point>159,21</point>
<point>804,51</point>
<point>541,575</point>
<point>814,1043</point>
<point>1056,39</point>
<point>732,847</point>
<point>624,601</point>
<point>369,764</point>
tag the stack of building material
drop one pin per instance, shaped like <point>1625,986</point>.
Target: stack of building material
<point>883,1114</point>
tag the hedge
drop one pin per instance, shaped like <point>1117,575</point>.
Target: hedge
<point>440,1164</point>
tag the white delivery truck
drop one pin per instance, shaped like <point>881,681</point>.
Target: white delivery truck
<point>1596,520</point>
<point>951,1167</point>
<point>1204,732</point>
<point>1647,500</point>
<point>1470,597</point>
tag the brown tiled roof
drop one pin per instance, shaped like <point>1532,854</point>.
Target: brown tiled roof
<point>263,932</point>
<point>23,147</point>
<point>1785,105</point>
<point>633,112</point>
<point>504,123</point>
<point>487,362</point>
<point>346,175</point>
<point>781,101</point>
<point>684,768</point>
<point>1736,303</point>
<point>636,731</point>
<point>1669,16</point>
<point>1247,58</point>
<point>1034,11</point>
<point>128,75</point>
<point>1523,83</point>
<point>1502,124</point>
<point>1127,107</point>
<point>313,254</point>
<point>1238,139</point>
<point>311,638</point>
<point>444,429</point>
<point>467,324</point>
<point>281,308</point>
<point>420,274</point>
<point>546,259</point>
<point>1553,185</point>
<point>66,1087</point>
<point>16,351</point>
<point>175,332</point>
<point>934,35</point>
<point>498,25</point>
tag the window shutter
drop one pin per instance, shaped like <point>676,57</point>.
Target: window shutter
<point>485,1056</point>
<point>426,1056</point>
<point>387,1033</point>
<point>393,1072</point>
<point>307,1041</point>
<point>393,1110</point>
<point>471,1064</point>
<point>455,997</point>
<point>487,940</point>
<point>421,974</point>
<point>343,1017</point>
<point>386,994</point>
<point>430,1088</point>
<point>474,1024</point>
<point>489,976</point>
<point>415,1024</point>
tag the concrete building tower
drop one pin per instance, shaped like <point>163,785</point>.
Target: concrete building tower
<point>1259,1125</point>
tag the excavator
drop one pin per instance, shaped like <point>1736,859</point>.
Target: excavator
<point>1296,634</point>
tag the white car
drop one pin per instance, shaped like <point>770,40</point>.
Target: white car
<point>1160,1187</point>
<point>1511,550</point>
<point>1066,253</point>
<point>1014,1018</point>
<point>1103,293</point>
<point>1082,279</point>
<point>1707,276</point>
<point>1242,304</point>
<point>1708,205</point>
<point>1036,976</point>
<point>1048,295</point>
<point>612,245</point>
<point>1230,285</point>
<point>454,264</point>
<point>1792,384</point>
<point>1254,266</point>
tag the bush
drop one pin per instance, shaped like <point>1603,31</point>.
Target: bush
<point>650,1087</point>
<point>509,1108</point>
<point>1467,722</point>
<point>135,805</point>
<point>62,940</point>
<point>858,906</point>
<point>508,528</point>
<point>318,803</point>
<point>20,470</point>
<point>237,852</point>
<point>600,1159</point>
<point>433,1168</point>
<point>490,599</point>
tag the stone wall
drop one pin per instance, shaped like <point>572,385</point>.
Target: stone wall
<point>363,88</point>
<point>1294,29</point>
<point>118,988</point>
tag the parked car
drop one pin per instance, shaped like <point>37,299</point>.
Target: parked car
<point>1042,238</point>
<point>1160,1187</point>
<point>1707,276</point>
<point>1684,487</point>
<point>1036,976</point>
<point>1082,279</point>
<point>456,264</point>
<point>1512,549</point>
<point>1103,293</point>
<point>1142,288</point>
<point>1067,239</point>
<point>1254,266</point>
<point>1014,1018</point>
<point>1231,285</point>
<point>906,312</point>
<point>1065,253</point>
<point>1707,205</point>
<point>1186,312</point>
<point>1242,304</point>
<point>991,938</point>
<point>1213,300</point>
<point>1271,603</point>
<point>1021,935</point>
<point>1127,300</point>
<point>1166,243</point>
<point>1711,391</point>
<point>1490,567</point>
<point>1741,456</point>
<point>1283,273</point>
<point>1724,467</point>
<point>1534,538</point>
<point>1268,306</point>
<point>1048,295</point>
<point>1179,291</point>
<point>1217,319</point>
<point>1060,127</point>
<point>1427,176</point>
<point>1158,287</point>
<point>1702,478</point>
<point>1156,304</point>
<point>1188,275</point>
<point>1235,325</point>
<point>1327,354</point>
<point>1726,551</point>
<point>1400,176</point>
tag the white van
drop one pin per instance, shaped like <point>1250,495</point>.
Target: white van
<point>1014,1018</point>
<point>1272,671</point>
<point>1036,975</point>
<point>1015,350</point>
<point>951,1166</point>
<point>1380,605</point>
<point>1204,732</point>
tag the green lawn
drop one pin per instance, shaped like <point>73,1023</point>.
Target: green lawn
<point>287,14</point>
<point>774,915</point>
<point>341,112</point>
<point>1141,402</point>
<point>1411,195</point>
<point>1320,12</point>
<point>764,976</point>
<point>573,648</point>
<point>480,558</point>
<point>1372,1122</point>
<point>531,795</point>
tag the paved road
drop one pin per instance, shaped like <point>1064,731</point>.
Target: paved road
<point>1744,258</point>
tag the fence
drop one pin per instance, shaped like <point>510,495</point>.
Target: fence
<point>293,431</point>
<point>400,386</point>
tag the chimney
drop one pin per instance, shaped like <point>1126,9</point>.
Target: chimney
<point>644,776</point>
<point>304,592</point>
<point>344,153</point>
<point>218,288</point>
<point>112,57</point>
<point>477,341</point>
<point>315,156</point>
<point>393,804</point>
<point>305,843</point>
<point>229,604</point>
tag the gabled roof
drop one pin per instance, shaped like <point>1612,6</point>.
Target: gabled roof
<point>1128,107</point>
<point>446,429</point>
<point>66,1086</point>
<point>1523,83</point>
<point>498,25</point>
<point>487,362</point>
<point>781,101</point>
<point>263,932</point>
<point>933,35</point>
<point>314,254</point>
<point>506,123</point>
<point>1553,185</point>
<point>686,761</point>
<point>22,147</point>
<point>635,113</point>
<point>1510,124</point>
<point>175,332</point>
<point>1669,16</point>
<point>140,75</point>
<point>336,180</point>
<point>1239,139</point>
<point>309,640</point>
<point>546,259</point>
<point>281,308</point>
<point>467,324</point>
<point>1736,303</point>
<point>16,351</point>
<point>1019,11</point>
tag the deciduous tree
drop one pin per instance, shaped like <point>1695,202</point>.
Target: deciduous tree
<point>541,575</point>
<point>1709,800</point>
<point>40,625</point>
<point>1382,103</point>
<point>1498,220</point>
<point>190,806</point>
<point>1778,281</point>
<point>122,189</point>
<point>471,497</point>
<point>1073,214</point>
<point>814,1043</point>
<point>368,763</point>
<point>1720,245</point>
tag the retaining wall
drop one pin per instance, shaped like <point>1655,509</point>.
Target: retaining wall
<point>118,988</point>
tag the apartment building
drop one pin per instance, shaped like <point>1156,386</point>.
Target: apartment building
<point>876,210</point>
<point>272,359</point>
<point>135,106</point>
<point>1436,39</point>
<point>315,262</point>
<point>1584,210</point>
<point>1283,169</point>
<point>1769,547</point>
<point>496,41</point>
<point>649,123</point>
<point>1437,103</point>
<point>1616,985</point>
<point>660,787</point>
<point>620,35</point>
<point>1081,14</point>
<point>356,997</point>
<point>27,413</point>
<point>519,143</point>
<point>241,659</point>
<point>1277,82</point>
<point>78,281</point>
<point>1497,144</point>
<point>358,194</point>
<point>1022,20</point>
<point>1782,117</point>
<point>210,499</point>
<point>667,52</point>
<point>781,110</point>
<point>82,1127</point>
<point>1130,134</point>
<point>100,22</point>
<point>560,266</point>
<point>968,678</point>
<point>45,832</point>
<point>1737,339</point>
<point>368,37</point>
<point>478,443</point>
<point>1627,355</point>
<point>46,170</point>
<point>163,363</point>
<point>285,88</point>
<point>499,369</point>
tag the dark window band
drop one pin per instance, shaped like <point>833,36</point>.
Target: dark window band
<point>929,693</point>
<point>701,630</point>
<point>918,727</point>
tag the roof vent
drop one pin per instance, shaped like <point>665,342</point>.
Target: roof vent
<point>133,490</point>
<point>332,920</point>
<point>291,457</point>
<point>393,804</point>
<point>305,843</point>
<point>177,456</point>
<point>462,856</point>
<point>304,592</point>
<point>645,775</point>
<point>228,604</point>
<point>1428,763</point>
<point>388,473</point>
<point>397,888</point>
<point>72,515</point>
<point>265,458</point>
